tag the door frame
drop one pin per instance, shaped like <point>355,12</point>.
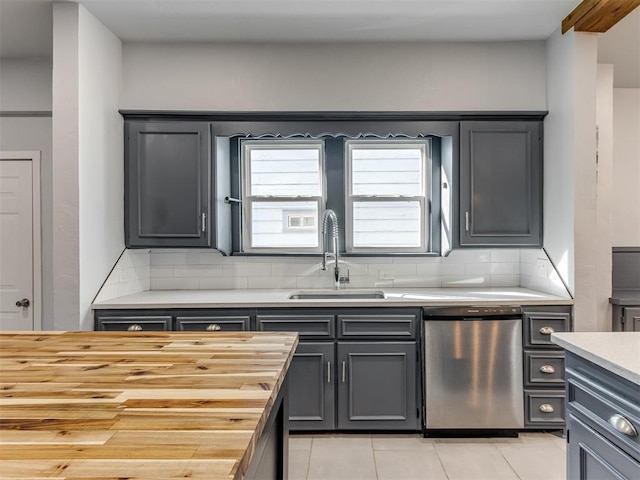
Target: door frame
<point>36,221</point>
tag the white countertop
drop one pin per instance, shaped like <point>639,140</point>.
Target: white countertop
<point>279,298</point>
<point>618,352</point>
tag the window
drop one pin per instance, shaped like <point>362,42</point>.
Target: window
<point>387,195</point>
<point>283,194</point>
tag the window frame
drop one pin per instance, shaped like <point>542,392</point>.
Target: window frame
<point>248,199</point>
<point>424,199</point>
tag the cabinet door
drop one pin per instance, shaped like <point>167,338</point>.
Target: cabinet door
<point>632,319</point>
<point>377,386</point>
<point>592,457</point>
<point>167,184</point>
<point>500,184</point>
<point>312,387</point>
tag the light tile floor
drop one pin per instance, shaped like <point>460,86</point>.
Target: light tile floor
<point>531,456</point>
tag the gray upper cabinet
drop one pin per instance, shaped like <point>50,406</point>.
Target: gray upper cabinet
<point>168,184</point>
<point>500,183</point>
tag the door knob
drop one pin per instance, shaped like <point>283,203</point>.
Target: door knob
<point>24,303</point>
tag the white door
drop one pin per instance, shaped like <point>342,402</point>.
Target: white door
<point>16,245</point>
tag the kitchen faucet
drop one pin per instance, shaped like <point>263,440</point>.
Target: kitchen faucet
<point>330,214</point>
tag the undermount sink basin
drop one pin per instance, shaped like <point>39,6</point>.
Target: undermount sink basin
<point>336,294</point>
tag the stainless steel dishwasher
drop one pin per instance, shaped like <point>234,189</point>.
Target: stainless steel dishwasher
<point>473,368</point>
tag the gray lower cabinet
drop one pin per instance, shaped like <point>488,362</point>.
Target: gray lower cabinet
<point>132,323</point>
<point>354,369</point>
<point>500,183</point>
<point>603,421</point>
<point>312,387</point>
<point>195,320</point>
<point>626,319</point>
<point>377,385</point>
<point>167,184</point>
<point>544,381</point>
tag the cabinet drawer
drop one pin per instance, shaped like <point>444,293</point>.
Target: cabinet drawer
<point>543,368</point>
<point>606,405</point>
<point>544,408</point>
<point>307,326</point>
<point>212,324</point>
<point>540,325</point>
<point>369,326</point>
<point>133,323</point>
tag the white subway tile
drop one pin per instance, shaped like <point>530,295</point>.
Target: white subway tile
<point>504,268</point>
<point>468,256</point>
<point>429,269</point>
<point>107,292</point>
<point>168,258</point>
<point>369,260</point>
<point>182,283</point>
<point>209,258</point>
<point>453,269</point>
<point>531,255</point>
<point>361,282</point>
<point>161,271</point>
<point>294,270</point>
<point>391,271</point>
<point>355,269</point>
<point>247,270</point>
<point>505,255</point>
<point>417,282</point>
<point>134,286</point>
<point>477,268</point>
<point>272,282</point>
<point>226,283</point>
<point>197,271</point>
<point>314,282</point>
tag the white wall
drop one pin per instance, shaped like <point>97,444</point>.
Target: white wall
<point>559,152</point>
<point>25,124</point>
<point>101,152</point>
<point>626,167</point>
<point>370,77</point>
<point>87,158</point>
<point>602,242</point>
<point>65,132</point>
<point>570,188</point>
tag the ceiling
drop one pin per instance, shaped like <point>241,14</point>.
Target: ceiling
<point>26,26</point>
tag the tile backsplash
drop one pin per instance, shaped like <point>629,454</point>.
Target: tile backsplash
<point>204,269</point>
<point>189,269</point>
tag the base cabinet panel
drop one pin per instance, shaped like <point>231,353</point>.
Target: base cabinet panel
<point>591,457</point>
<point>312,387</point>
<point>377,385</point>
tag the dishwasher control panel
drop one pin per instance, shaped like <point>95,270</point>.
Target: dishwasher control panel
<point>480,311</point>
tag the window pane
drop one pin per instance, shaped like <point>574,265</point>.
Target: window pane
<point>386,224</point>
<point>387,171</point>
<point>283,224</point>
<point>285,171</point>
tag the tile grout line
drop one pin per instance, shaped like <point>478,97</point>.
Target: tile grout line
<point>306,477</point>
<point>373,455</point>
<point>435,447</point>
<point>508,462</point>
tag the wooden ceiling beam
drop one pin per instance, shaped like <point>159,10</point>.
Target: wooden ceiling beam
<point>598,16</point>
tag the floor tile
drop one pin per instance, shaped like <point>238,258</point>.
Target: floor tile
<point>300,442</point>
<point>342,458</point>
<point>536,462</point>
<point>299,463</point>
<point>409,465</point>
<point>400,442</point>
<point>474,461</point>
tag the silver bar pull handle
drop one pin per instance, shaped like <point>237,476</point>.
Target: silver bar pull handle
<point>466,221</point>
<point>548,369</point>
<point>329,371</point>
<point>623,425</point>
<point>547,330</point>
<point>203,219</point>
<point>344,372</point>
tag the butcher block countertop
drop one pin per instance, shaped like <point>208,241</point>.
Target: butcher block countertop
<point>107,405</point>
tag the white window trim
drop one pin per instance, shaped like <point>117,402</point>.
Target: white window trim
<point>423,199</point>
<point>248,200</point>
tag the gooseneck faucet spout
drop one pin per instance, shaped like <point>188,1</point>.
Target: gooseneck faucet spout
<point>331,215</point>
